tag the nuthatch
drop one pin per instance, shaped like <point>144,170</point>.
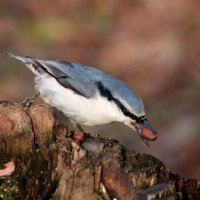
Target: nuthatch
<point>87,95</point>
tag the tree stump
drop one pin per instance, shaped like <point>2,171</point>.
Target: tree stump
<point>51,165</point>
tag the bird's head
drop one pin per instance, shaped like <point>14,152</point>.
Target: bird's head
<point>137,120</point>
<point>131,107</point>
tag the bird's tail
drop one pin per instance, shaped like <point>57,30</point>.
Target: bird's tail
<point>29,62</point>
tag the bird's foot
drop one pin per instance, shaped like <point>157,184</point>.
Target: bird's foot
<point>78,126</point>
<point>28,101</point>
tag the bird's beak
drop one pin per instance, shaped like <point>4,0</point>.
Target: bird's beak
<point>147,132</point>
<point>149,127</point>
<point>139,132</point>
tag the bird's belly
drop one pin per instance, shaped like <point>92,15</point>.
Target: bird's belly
<point>88,111</point>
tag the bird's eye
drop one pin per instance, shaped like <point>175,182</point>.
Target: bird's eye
<point>142,120</point>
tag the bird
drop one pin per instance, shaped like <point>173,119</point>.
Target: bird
<point>87,95</point>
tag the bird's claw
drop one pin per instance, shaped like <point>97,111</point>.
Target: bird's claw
<point>28,101</point>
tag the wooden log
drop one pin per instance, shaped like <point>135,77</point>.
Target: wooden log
<point>21,128</point>
<point>51,165</point>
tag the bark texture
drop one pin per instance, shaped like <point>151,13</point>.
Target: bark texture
<point>51,165</point>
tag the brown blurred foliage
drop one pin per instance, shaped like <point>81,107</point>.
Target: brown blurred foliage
<point>152,45</point>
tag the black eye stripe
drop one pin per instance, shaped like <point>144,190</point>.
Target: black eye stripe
<point>106,93</point>
<point>142,119</point>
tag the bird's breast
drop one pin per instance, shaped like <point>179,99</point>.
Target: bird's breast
<point>88,111</point>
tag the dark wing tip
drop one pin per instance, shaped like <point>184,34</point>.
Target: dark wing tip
<point>10,54</point>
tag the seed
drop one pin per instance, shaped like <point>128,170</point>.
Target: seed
<point>147,134</point>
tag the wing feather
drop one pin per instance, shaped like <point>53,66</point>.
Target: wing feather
<point>69,77</point>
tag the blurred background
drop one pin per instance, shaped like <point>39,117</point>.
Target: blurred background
<point>154,46</point>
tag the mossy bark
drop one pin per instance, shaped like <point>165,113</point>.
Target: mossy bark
<point>51,165</point>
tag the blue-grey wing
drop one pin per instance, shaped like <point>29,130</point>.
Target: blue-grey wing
<point>70,75</point>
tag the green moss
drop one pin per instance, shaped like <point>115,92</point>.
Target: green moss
<point>8,192</point>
